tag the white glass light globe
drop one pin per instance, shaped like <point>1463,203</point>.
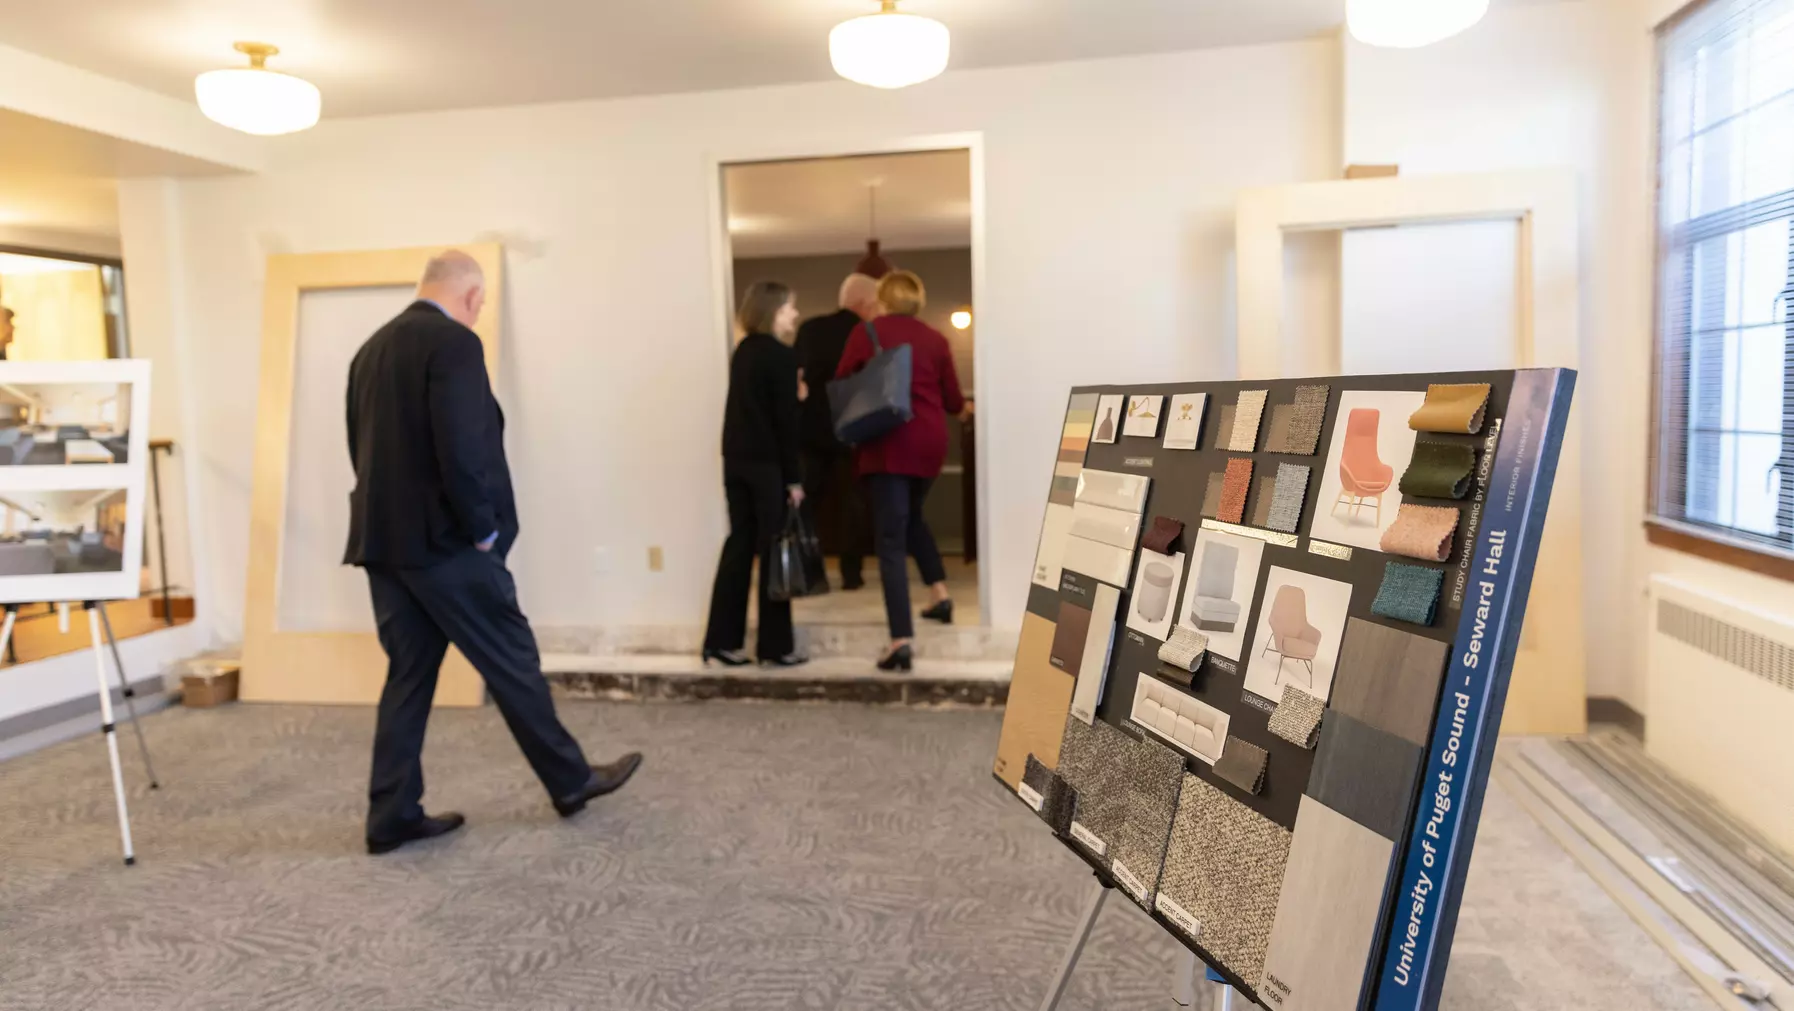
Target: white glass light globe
<point>961,319</point>
<point>257,101</point>
<point>888,49</point>
<point>1409,24</point>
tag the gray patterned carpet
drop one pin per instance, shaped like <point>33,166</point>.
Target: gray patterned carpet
<point>767,857</point>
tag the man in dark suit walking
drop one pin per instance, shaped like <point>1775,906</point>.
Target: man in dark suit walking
<point>431,521</point>
<point>831,485</point>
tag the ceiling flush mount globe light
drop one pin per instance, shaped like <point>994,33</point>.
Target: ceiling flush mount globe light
<point>889,49</point>
<point>257,100</point>
<point>1409,24</point>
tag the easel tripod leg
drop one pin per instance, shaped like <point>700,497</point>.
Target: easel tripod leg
<point>1070,961</point>
<point>130,694</point>
<point>106,724</point>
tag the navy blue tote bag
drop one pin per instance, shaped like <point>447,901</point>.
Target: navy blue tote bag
<point>874,400</point>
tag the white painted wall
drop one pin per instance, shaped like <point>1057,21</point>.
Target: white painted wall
<point>1109,209</point>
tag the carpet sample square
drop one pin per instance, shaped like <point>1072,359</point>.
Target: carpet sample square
<point>1185,648</point>
<point>1211,495</point>
<point>1153,775</point>
<point>1225,867</point>
<point>1246,418</point>
<point>1297,718</point>
<point>1056,797</point>
<point>1452,407</point>
<point>1243,765</point>
<point>1409,593</point>
<point>1439,470</point>
<point>1264,490</point>
<point>1286,503</point>
<point>1389,679</point>
<point>1420,531</point>
<point>1277,431</point>
<point>1234,485</point>
<point>1366,774</point>
<point>1309,413</point>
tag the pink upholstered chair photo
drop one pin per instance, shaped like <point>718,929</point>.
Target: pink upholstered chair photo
<point>1363,476</point>
<point>1292,637</point>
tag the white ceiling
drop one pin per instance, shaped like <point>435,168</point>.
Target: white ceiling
<point>384,56</point>
<point>60,178</point>
<point>802,208</point>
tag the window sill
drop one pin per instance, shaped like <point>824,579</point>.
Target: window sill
<point>1694,541</point>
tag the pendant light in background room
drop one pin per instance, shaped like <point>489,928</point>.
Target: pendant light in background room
<point>257,100</point>
<point>873,264</point>
<point>889,49</point>
<point>1409,24</point>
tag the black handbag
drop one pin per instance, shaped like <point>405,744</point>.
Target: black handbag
<point>795,565</point>
<point>875,400</point>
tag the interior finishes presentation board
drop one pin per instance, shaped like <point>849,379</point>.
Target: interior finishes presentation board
<point>1265,654</point>
<point>74,450</point>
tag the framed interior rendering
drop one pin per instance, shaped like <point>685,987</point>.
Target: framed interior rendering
<point>313,665</point>
<point>1265,655</point>
<point>74,451</point>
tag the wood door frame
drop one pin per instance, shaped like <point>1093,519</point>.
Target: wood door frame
<point>722,262</point>
<point>328,667</point>
<point>1542,202</point>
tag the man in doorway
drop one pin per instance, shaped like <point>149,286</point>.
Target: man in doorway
<point>431,520</point>
<point>830,484</point>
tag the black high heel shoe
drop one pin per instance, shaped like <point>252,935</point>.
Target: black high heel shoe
<point>941,612</point>
<point>901,659</point>
<point>727,657</point>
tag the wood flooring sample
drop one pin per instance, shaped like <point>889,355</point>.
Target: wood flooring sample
<point>1039,698</point>
<point>1389,679</point>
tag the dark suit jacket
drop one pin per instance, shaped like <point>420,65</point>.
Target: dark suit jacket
<point>426,438</point>
<point>819,344</point>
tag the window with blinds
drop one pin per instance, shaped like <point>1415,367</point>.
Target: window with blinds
<point>1724,458</point>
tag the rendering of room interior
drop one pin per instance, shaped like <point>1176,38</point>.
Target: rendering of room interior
<point>1326,423</point>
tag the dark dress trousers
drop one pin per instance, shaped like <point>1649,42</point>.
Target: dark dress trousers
<point>760,460</point>
<point>831,490</point>
<point>426,439</point>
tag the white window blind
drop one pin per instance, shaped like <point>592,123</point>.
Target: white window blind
<point>1724,454</point>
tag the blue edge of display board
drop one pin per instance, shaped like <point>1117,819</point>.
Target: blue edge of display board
<point>1463,745</point>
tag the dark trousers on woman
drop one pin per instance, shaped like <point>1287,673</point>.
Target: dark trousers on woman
<point>757,505</point>
<point>900,532</point>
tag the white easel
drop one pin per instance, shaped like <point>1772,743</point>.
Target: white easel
<point>1187,979</point>
<point>96,618</point>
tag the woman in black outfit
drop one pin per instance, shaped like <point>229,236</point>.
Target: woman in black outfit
<point>762,477</point>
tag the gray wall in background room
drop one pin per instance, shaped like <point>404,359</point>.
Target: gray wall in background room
<point>947,274</point>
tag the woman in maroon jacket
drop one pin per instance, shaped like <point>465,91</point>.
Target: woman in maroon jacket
<point>898,468</point>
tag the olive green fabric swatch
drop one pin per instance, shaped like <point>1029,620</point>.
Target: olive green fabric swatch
<point>1439,470</point>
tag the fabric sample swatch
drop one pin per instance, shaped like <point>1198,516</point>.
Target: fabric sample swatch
<point>1243,765</point>
<point>1225,867</point>
<point>1153,775</point>
<point>1184,649</point>
<point>1439,470</point>
<point>1420,531</point>
<point>1452,407</point>
<point>1366,774</point>
<point>1068,636</point>
<point>1328,913</point>
<point>1389,679</point>
<point>1297,718</point>
<point>1211,495</point>
<point>1409,593</point>
<point>1234,485</point>
<point>1277,432</point>
<point>1306,419</point>
<point>1262,495</point>
<point>1056,797</point>
<point>1093,662</point>
<point>1251,409</point>
<point>1224,427</point>
<point>1163,535</point>
<point>1286,504</point>
<point>1039,698</point>
<point>1102,806</point>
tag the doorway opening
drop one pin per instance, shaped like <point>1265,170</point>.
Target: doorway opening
<point>810,223</point>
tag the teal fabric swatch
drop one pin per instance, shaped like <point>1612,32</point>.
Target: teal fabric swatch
<point>1409,593</point>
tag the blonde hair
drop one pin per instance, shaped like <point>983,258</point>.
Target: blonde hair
<point>761,305</point>
<point>901,293</point>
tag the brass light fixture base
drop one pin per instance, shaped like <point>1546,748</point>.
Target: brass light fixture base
<point>258,53</point>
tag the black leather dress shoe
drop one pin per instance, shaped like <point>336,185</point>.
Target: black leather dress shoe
<point>428,828</point>
<point>605,779</point>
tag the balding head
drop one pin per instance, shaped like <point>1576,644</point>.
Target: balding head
<point>860,293</point>
<point>454,280</point>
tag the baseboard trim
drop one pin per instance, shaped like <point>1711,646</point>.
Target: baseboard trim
<point>64,721</point>
<point>1606,709</point>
